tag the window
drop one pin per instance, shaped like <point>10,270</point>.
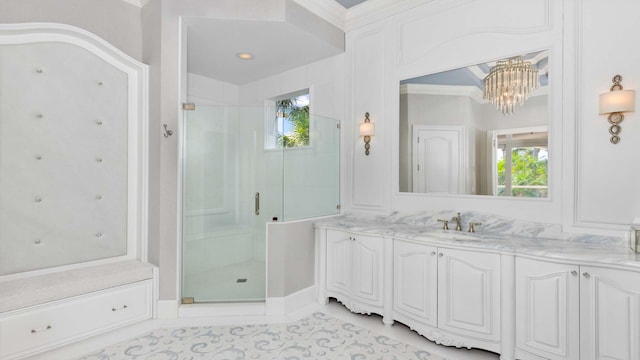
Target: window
<point>289,125</point>
<point>521,163</point>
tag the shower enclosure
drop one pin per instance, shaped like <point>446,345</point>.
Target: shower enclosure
<point>236,178</point>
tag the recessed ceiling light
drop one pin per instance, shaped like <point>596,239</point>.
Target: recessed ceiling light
<point>245,56</point>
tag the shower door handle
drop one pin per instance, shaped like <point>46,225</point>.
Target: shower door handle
<point>257,203</point>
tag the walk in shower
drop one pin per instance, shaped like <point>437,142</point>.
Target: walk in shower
<point>237,176</point>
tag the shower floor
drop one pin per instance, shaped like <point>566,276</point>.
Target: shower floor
<point>226,284</point>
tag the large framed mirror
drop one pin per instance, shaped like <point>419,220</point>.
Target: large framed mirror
<point>477,130</point>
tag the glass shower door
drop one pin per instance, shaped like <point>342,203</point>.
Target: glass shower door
<point>231,188</point>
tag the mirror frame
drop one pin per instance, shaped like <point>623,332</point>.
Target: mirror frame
<point>434,64</point>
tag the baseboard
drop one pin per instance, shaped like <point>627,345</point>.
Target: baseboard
<point>290,303</point>
<point>167,309</point>
<point>221,309</point>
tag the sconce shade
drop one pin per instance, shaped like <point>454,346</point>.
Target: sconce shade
<point>617,101</point>
<point>367,129</point>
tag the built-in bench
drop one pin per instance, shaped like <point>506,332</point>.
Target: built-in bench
<point>41,312</point>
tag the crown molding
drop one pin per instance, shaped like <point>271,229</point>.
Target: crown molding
<point>360,15</point>
<point>376,10</point>
<point>330,11</point>
<point>455,90</point>
<point>345,19</point>
<point>138,3</point>
<point>450,90</point>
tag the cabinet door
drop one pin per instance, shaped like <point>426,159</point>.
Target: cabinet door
<point>469,293</point>
<point>415,281</point>
<point>609,314</point>
<point>367,269</point>
<point>339,261</point>
<point>547,309</point>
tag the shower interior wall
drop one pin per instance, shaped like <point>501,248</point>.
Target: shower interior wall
<point>325,80</point>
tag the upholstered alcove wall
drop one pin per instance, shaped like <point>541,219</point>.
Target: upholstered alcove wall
<point>72,149</point>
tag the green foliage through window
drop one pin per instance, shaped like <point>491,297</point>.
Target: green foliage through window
<point>528,173</point>
<point>293,121</point>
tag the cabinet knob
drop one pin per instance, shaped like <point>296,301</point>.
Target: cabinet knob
<point>433,253</point>
<point>586,275</point>
<point>574,273</point>
<point>441,254</point>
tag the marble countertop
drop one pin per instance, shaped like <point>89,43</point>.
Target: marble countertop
<point>496,233</point>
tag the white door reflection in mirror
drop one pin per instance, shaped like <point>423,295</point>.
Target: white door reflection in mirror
<point>438,159</point>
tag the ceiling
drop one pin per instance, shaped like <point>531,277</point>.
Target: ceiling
<point>300,38</point>
<point>474,75</point>
<point>349,3</point>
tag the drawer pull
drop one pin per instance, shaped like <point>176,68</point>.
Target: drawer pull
<point>121,308</point>
<point>48,327</point>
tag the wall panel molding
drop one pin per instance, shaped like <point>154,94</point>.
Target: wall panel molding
<point>421,32</point>
<point>366,63</point>
<point>603,196</point>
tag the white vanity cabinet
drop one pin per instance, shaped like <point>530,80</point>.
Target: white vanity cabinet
<point>464,293</point>
<point>576,312</point>
<point>609,314</point>
<point>450,296</point>
<point>415,283</point>
<point>547,310</point>
<point>469,293</point>
<point>355,270</point>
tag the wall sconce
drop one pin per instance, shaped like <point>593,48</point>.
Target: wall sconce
<point>615,103</point>
<point>367,130</point>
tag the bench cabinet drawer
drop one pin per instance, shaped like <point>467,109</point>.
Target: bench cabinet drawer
<point>37,328</point>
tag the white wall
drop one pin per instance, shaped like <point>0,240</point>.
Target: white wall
<point>290,257</point>
<point>151,55</point>
<point>115,21</point>
<point>202,90</point>
<point>592,182</point>
<point>324,78</point>
<point>431,38</point>
<point>606,178</point>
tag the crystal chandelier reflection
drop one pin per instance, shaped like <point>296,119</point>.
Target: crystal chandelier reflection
<point>509,83</point>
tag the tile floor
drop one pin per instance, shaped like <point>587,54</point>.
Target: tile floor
<point>372,323</point>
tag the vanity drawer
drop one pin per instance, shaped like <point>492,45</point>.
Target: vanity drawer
<point>39,327</point>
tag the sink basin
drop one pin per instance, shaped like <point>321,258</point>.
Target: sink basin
<point>456,235</point>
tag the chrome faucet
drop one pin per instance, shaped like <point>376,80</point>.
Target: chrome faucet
<point>458,221</point>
